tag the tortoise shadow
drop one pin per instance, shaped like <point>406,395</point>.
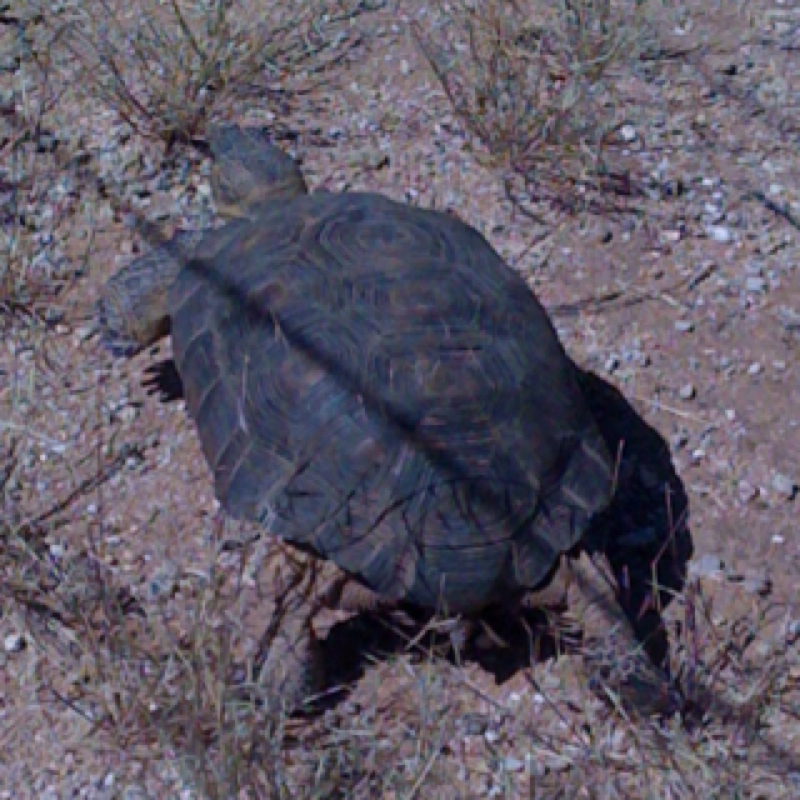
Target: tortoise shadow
<point>351,647</point>
<point>644,532</point>
<point>645,529</point>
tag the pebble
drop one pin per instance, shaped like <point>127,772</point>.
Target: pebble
<point>679,439</point>
<point>475,724</point>
<point>163,583</point>
<point>7,100</point>
<point>14,643</point>
<point>754,268</point>
<point>755,284</point>
<point>784,486</point>
<point>612,362</point>
<point>757,583</point>
<point>628,133</point>
<point>719,233</point>
<point>684,326</point>
<point>747,492</point>
<point>57,550</point>
<point>707,566</point>
<point>128,413</point>
<point>513,764</point>
<point>687,392</point>
<point>84,332</point>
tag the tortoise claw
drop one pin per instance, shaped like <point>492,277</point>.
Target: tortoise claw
<point>164,380</point>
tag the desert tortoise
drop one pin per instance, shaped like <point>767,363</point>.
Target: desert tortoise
<point>374,384</point>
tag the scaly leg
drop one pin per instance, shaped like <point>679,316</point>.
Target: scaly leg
<point>615,659</point>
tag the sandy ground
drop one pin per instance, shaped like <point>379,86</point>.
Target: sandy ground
<point>691,309</point>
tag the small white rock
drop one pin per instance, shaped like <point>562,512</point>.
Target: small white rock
<point>14,643</point>
<point>84,332</point>
<point>784,485</point>
<point>513,764</point>
<point>628,133</point>
<point>755,284</point>
<point>707,566</point>
<point>719,233</point>
<point>57,550</point>
<point>758,583</point>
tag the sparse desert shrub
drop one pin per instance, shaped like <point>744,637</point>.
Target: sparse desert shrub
<point>533,82</point>
<point>166,65</point>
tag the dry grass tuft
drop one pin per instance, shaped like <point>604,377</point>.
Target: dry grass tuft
<point>167,68</point>
<point>534,83</point>
<point>148,680</point>
<point>35,203</point>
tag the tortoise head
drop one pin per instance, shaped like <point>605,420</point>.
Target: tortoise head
<point>250,172</point>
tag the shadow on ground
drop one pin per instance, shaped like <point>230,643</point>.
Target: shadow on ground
<point>645,532</point>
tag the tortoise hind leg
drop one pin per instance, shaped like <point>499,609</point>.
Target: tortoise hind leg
<point>290,668</point>
<point>614,656</point>
<point>346,594</point>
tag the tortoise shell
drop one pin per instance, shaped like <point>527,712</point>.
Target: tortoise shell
<point>373,383</point>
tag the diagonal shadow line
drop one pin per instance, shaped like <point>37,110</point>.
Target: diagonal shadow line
<point>402,420</point>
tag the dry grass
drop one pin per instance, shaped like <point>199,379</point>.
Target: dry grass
<point>167,69</point>
<point>36,203</point>
<point>145,680</point>
<point>150,682</point>
<point>534,83</point>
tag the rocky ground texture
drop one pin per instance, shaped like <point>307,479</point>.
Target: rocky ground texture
<point>124,592</point>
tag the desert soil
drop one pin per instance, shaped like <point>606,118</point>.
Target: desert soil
<point>691,309</point>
